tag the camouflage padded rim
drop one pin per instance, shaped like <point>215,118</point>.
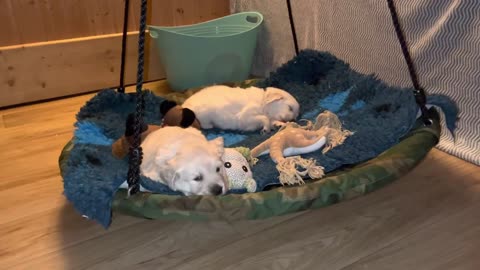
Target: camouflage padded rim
<point>337,186</point>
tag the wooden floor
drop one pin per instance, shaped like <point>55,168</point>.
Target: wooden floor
<point>429,219</point>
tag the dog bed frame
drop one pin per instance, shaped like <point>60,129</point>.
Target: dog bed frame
<point>340,185</point>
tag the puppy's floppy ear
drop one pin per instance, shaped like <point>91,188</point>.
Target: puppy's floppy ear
<point>155,161</point>
<point>165,157</point>
<point>272,94</point>
<point>169,173</point>
<point>217,143</point>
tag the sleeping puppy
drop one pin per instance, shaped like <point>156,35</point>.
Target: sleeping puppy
<point>250,109</point>
<point>185,160</point>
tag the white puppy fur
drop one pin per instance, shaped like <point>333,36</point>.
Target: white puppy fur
<point>249,109</point>
<point>185,160</point>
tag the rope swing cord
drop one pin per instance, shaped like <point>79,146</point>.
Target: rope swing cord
<point>418,92</point>
<point>121,89</point>
<point>292,26</point>
<point>135,151</point>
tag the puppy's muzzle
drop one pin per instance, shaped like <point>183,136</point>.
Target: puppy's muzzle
<point>216,189</point>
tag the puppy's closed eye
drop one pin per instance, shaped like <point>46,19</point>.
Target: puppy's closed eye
<point>290,108</point>
<point>198,178</point>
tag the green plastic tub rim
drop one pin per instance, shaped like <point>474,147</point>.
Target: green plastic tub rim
<point>252,15</point>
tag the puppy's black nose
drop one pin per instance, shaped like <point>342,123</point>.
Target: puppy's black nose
<point>216,189</point>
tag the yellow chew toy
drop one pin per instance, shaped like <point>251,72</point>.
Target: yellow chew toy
<point>292,139</point>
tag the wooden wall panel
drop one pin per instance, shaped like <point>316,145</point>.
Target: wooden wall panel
<point>46,70</point>
<point>29,21</point>
<point>53,48</point>
<point>9,28</point>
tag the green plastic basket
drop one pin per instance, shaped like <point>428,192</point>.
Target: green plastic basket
<point>207,53</point>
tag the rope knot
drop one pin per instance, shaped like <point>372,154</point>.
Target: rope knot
<point>136,155</point>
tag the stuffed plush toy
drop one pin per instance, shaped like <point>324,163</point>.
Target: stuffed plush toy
<point>293,139</point>
<point>237,169</point>
<point>173,115</point>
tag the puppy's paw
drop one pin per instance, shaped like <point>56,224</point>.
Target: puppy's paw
<point>278,124</point>
<point>251,185</point>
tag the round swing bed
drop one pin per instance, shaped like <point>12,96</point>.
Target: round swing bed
<point>341,184</point>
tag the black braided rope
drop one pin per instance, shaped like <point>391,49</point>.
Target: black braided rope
<point>121,88</point>
<point>135,154</point>
<point>292,26</point>
<point>418,92</point>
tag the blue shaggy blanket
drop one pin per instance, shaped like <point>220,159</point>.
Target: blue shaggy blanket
<point>378,114</point>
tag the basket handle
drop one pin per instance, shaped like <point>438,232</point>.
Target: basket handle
<point>252,19</point>
<point>153,33</point>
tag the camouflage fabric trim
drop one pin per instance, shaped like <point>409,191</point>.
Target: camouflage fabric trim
<point>338,186</point>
